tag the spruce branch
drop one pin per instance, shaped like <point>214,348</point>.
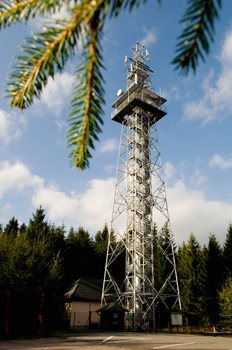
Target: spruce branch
<point>117,5</point>
<point>13,11</point>
<point>86,106</point>
<point>194,42</point>
<point>46,52</point>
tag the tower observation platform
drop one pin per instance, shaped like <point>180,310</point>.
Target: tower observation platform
<point>138,94</point>
<point>140,225</point>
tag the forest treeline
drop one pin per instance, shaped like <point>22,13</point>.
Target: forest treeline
<point>40,261</point>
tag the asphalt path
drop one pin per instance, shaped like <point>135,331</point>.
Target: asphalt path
<point>126,341</point>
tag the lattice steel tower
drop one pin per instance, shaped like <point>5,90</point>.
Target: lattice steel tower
<point>139,202</point>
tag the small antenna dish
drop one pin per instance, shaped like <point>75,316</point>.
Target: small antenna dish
<point>120,92</point>
<point>126,60</point>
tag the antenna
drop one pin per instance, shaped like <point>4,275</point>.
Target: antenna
<point>147,55</point>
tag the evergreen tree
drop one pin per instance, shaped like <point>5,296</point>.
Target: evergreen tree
<point>38,228</point>
<point>4,247</point>
<point>79,255</point>
<point>31,277</point>
<point>227,252</point>
<point>190,272</point>
<point>14,278</point>
<point>85,253</point>
<point>158,261</point>
<point>214,278</point>
<point>202,281</point>
<point>70,273</point>
<point>225,301</point>
<point>12,227</point>
<point>100,249</point>
<point>101,240</point>
<point>163,275</point>
<point>37,265</point>
<point>163,256</point>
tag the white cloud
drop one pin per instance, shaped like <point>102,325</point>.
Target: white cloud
<point>199,178</point>
<point>219,162</point>
<point>108,145</point>
<point>150,37</point>
<point>57,92</point>
<point>91,209</point>
<point>97,202</point>
<point>226,54</point>
<point>16,177</point>
<point>172,94</point>
<point>58,204</point>
<point>169,170</point>
<point>217,90</point>
<point>12,126</point>
<point>190,212</point>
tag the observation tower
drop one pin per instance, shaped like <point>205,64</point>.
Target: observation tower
<point>140,225</point>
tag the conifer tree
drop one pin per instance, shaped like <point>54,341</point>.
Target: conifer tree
<point>45,267</point>
<point>158,262</point>
<point>31,276</point>
<point>100,249</point>
<point>225,301</point>
<point>202,280</point>
<point>85,253</point>
<point>227,253</point>
<point>190,271</point>
<point>12,227</point>
<point>162,253</point>
<point>38,228</point>
<point>214,278</point>
<point>79,255</point>
<point>101,240</point>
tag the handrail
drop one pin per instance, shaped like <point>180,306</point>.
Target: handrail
<point>142,96</point>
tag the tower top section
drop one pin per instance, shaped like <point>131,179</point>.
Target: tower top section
<point>138,93</point>
<point>137,70</point>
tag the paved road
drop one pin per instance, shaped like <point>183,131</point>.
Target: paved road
<point>125,341</point>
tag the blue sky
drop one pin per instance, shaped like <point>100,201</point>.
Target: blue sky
<point>195,136</point>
